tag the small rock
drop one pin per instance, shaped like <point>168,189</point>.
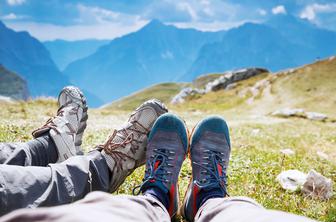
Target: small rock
<point>316,116</point>
<point>288,152</point>
<point>322,155</point>
<point>6,99</point>
<point>317,186</point>
<point>255,132</point>
<point>287,112</point>
<point>291,180</point>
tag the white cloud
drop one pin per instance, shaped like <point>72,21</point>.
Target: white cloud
<point>44,32</point>
<point>13,16</point>
<point>310,11</point>
<point>182,11</point>
<point>212,26</point>
<point>280,9</point>
<point>262,12</point>
<point>15,2</point>
<point>95,14</point>
<point>186,7</point>
<point>10,16</point>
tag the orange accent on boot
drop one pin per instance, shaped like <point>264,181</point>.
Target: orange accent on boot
<point>171,199</point>
<point>195,192</point>
<point>156,165</point>
<point>220,169</point>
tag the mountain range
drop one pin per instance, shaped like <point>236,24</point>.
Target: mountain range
<point>64,52</point>
<point>156,53</point>
<point>280,43</point>
<point>164,53</point>
<point>26,56</point>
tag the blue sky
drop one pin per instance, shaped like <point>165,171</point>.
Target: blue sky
<point>107,19</point>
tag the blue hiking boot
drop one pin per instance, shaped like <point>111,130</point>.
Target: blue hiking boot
<point>209,154</point>
<point>166,151</point>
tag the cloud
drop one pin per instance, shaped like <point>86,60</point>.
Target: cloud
<point>95,14</point>
<point>13,16</point>
<point>15,2</point>
<point>192,11</point>
<point>213,26</point>
<point>280,9</point>
<point>10,16</point>
<point>262,12</point>
<point>310,11</point>
<point>44,32</point>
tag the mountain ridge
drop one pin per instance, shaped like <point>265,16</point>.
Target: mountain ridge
<point>25,55</point>
<point>155,53</point>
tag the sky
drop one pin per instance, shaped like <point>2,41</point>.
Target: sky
<point>108,19</point>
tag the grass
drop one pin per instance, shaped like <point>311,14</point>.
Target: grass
<point>255,161</point>
<point>164,92</point>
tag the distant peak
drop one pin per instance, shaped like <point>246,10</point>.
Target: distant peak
<point>155,23</point>
<point>2,25</point>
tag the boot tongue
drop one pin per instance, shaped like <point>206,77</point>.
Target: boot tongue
<point>157,184</point>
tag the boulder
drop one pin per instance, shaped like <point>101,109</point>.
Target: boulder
<point>287,112</point>
<point>318,186</point>
<point>184,93</point>
<point>316,116</point>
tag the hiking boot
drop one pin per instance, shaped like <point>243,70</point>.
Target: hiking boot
<point>67,127</point>
<point>124,150</point>
<point>209,154</point>
<point>166,150</point>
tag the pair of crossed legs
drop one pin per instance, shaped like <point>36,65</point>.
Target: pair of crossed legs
<point>31,178</point>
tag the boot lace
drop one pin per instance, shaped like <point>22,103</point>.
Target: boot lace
<point>127,135</point>
<point>214,171</point>
<point>157,168</point>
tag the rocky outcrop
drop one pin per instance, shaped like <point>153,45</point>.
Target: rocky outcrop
<point>231,77</point>
<point>226,81</point>
<point>12,85</point>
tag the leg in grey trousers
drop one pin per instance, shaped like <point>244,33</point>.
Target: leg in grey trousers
<point>31,186</point>
<point>98,206</point>
<point>37,152</point>
<point>242,209</point>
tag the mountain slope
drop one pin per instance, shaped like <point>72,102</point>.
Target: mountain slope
<point>311,87</point>
<point>156,53</point>
<point>301,32</point>
<point>282,42</point>
<point>64,52</point>
<point>164,92</point>
<point>250,45</point>
<point>12,85</point>
<point>25,55</point>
